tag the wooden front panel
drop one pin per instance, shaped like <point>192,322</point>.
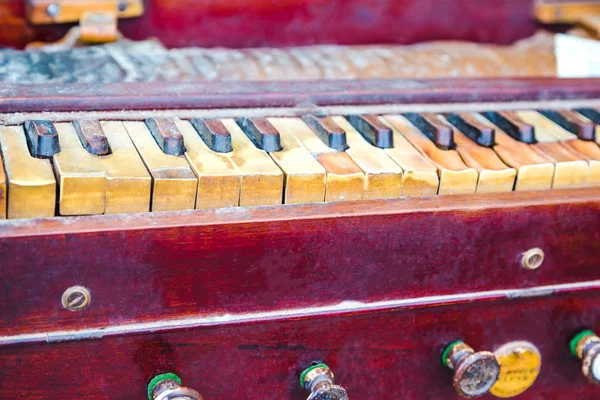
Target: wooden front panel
<point>149,266</point>
<point>382,355</point>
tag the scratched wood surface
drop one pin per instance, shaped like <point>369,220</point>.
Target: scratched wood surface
<point>390,354</point>
<point>269,258</point>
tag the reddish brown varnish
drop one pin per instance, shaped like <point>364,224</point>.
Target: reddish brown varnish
<point>390,354</point>
<point>258,23</point>
<point>163,265</point>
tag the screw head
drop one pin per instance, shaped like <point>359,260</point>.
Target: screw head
<point>76,298</point>
<point>533,258</point>
<point>53,10</point>
<point>122,5</point>
<point>476,374</point>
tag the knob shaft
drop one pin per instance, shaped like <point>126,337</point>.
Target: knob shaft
<point>586,347</point>
<point>319,380</point>
<point>474,372</point>
<point>168,387</point>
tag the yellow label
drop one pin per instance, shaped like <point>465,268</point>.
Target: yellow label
<point>520,364</point>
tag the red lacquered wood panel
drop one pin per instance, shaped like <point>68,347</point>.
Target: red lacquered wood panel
<point>166,265</point>
<point>392,354</point>
<point>17,98</point>
<point>259,23</point>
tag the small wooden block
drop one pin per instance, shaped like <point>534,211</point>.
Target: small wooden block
<point>42,138</point>
<point>330,133</point>
<point>261,133</point>
<point>31,182</point>
<point>439,133</point>
<point>307,136</point>
<point>383,177</point>
<point>511,124</point>
<point>81,176</point>
<point>92,137</point>
<point>214,134</point>
<point>305,178</point>
<point>262,180</point>
<point>572,122</point>
<point>373,130</point>
<point>3,189</point>
<point>174,185</point>
<point>534,170</point>
<point>480,132</point>
<point>219,180</point>
<point>420,177</point>
<point>166,135</point>
<point>128,183</point>
<point>345,180</point>
<point>592,115</point>
<point>455,176</point>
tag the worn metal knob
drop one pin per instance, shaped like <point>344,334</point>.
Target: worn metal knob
<point>168,387</point>
<point>319,380</point>
<point>474,373</point>
<point>586,347</point>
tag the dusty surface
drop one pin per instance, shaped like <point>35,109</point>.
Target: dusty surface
<point>149,61</point>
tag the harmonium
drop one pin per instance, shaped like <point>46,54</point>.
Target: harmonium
<point>299,199</point>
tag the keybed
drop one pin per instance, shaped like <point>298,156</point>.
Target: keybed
<point>90,167</point>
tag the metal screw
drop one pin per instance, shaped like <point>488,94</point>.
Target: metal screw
<point>76,298</point>
<point>53,10</point>
<point>532,258</point>
<point>122,6</point>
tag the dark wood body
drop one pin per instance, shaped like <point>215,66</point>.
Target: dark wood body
<point>160,266</point>
<point>259,23</point>
<point>390,354</point>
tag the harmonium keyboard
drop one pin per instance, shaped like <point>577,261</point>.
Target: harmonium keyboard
<point>331,239</point>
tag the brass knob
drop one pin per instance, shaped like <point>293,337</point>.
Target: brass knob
<point>318,379</point>
<point>168,387</point>
<point>586,347</point>
<point>474,373</point>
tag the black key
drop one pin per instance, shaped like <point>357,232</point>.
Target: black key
<point>262,133</point>
<point>92,136</point>
<point>439,133</point>
<point>572,122</point>
<point>373,130</point>
<point>514,126</point>
<point>214,134</point>
<point>329,132</point>
<point>480,133</point>
<point>42,138</point>
<point>167,136</point>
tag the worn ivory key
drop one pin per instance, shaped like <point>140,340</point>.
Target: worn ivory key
<point>420,177</point>
<point>81,176</point>
<point>534,170</point>
<point>584,149</point>
<point>31,182</point>
<point>345,179</point>
<point>305,178</point>
<point>494,175</point>
<point>455,176</point>
<point>383,177</point>
<point>570,169</point>
<point>219,180</point>
<point>262,180</point>
<point>174,185</point>
<point>128,183</point>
